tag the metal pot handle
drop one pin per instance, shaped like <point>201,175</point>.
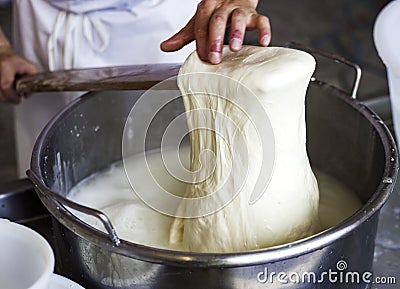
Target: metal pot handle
<point>43,189</point>
<point>334,57</point>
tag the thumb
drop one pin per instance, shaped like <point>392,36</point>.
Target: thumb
<point>180,39</point>
<point>26,67</point>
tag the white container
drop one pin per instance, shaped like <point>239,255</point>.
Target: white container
<point>26,258</point>
<point>387,42</point>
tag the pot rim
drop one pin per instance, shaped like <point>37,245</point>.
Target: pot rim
<point>237,259</point>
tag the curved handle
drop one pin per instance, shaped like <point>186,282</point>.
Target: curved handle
<point>68,203</point>
<point>334,57</point>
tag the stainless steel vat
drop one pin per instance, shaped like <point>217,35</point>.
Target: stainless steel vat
<point>345,139</point>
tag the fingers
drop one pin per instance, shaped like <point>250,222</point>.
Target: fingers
<point>27,68</point>
<point>10,65</point>
<point>180,39</point>
<point>195,29</point>
<point>238,29</point>
<point>204,25</point>
<point>240,18</point>
<point>209,23</point>
<point>242,22</point>
<point>264,28</point>
<point>217,28</point>
<point>7,74</point>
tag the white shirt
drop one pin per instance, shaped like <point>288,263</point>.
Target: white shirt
<point>65,34</point>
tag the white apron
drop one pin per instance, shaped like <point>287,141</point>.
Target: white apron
<point>61,34</point>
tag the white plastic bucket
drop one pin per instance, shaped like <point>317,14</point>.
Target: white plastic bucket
<point>387,42</point>
<point>26,258</point>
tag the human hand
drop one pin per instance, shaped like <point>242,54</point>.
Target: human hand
<point>12,64</point>
<point>209,23</point>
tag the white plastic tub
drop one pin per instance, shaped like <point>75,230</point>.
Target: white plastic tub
<point>26,259</point>
<point>387,42</point>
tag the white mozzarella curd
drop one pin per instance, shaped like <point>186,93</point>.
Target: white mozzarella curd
<point>291,207</point>
<point>110,192</point>
<point>288,209</point>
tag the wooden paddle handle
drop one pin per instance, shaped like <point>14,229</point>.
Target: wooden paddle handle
<point>133,77</point>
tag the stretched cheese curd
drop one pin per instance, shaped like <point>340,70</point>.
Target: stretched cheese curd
<point>111,192</point>
<point>290,208</point>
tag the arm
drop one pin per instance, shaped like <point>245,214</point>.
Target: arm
<point>11,64</point>
<point>208,26</point>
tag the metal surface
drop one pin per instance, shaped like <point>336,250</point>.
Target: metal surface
<point>133,77</point>
<point>337,58</point>
<point>83,209</point>
<point>345,139</point>
<point>20,203</point>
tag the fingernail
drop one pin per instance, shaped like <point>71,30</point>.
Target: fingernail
<point>236,43</point>
<point>266,39</point>
<point>214,57</point>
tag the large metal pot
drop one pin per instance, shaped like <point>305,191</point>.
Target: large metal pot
<point>345,139</point>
